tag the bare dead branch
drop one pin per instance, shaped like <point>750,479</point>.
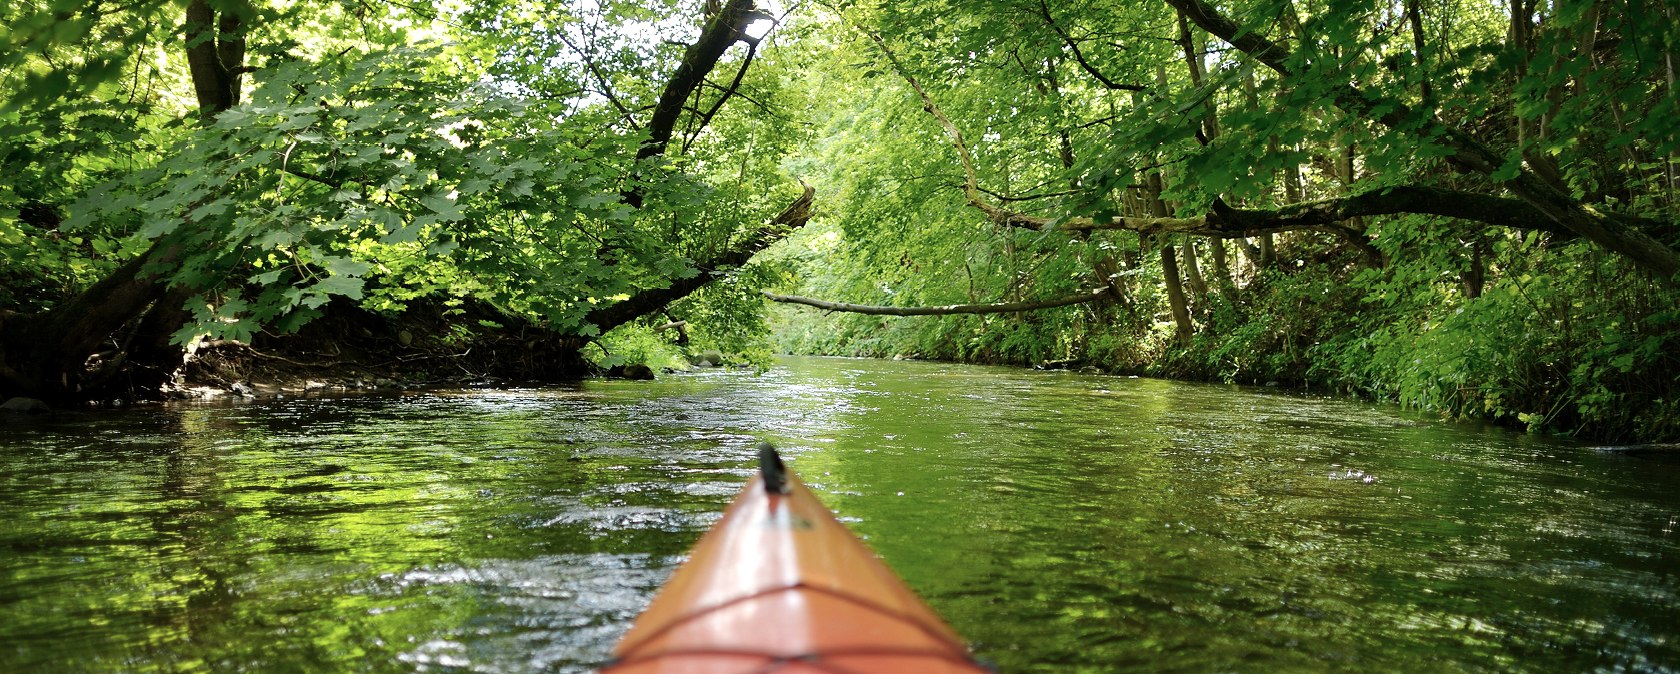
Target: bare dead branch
<point>946,310</point>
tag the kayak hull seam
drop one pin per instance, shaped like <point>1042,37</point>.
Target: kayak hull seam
<point>871,606</point>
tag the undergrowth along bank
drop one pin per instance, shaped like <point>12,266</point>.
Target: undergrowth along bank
<point>1567,342</point>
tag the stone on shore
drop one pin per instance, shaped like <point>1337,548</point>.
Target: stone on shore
<point>21,405</point>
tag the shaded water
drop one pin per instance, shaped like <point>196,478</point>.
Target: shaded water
<point>1064,523</point>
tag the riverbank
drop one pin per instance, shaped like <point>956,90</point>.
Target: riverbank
<point>351,349</point>
<point>1528,358</point>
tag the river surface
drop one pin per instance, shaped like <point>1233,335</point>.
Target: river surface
<point>1062,522</point>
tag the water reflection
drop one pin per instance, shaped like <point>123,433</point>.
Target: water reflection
<point>1065,523</point>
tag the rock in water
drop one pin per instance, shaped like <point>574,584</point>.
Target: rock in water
<point>25,406</point>
<point>630,372</point>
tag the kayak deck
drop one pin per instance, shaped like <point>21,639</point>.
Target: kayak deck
<point>779,585</point>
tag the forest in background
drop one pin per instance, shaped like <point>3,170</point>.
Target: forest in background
<point>1464,207</point>
<point>1468,208</point>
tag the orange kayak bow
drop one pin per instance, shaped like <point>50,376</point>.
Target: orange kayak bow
<point>780,586</point>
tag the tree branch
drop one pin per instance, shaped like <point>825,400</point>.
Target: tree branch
<point>1521,214</point>
<point>334,183</point>
<point>723,30</point>
<point>946,310</point>
<point>1325,213</point>
<point>971,180</point>
<point>600,79</point>
<point>1029,197</point>
<point>706,117</point>
<point>1467,153</point>
<point>1079,57</point>
<point>648,301</point>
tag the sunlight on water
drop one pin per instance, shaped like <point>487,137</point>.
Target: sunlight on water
<point>1064,523</point>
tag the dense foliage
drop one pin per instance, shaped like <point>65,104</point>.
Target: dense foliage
<point>1080,126</point>
<point>562,169</point>
<point>1464,207</point>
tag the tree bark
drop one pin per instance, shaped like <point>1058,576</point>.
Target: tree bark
<point>1180,308</point>
<point>1170,277</point>
<point>1330,213</point>
<point>1475,277</point>
<point>215,55</point>
<point>48,354</point>
<point>52,355</point>
<point>1225,281</point>
<point>1672,166</point>
<point>1210,130</point>
<point>1414,17</point>
<point>1193,272</point>
<point>724,28</point>
<point>1193,61</point>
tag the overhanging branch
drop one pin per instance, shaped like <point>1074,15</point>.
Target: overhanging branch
<point>1079,56</point>
<point>1538,206</point>
<point>1325,213</point>
<point>1468,154</point>
<point>946,310</point>
<point>1404,199</point>
<point>651,300</point>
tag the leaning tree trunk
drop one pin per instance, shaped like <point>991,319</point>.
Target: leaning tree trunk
<point>654,300</point>
<point>53,355</point>
<point>75,351</point>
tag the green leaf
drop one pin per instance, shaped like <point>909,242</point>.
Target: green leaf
<point>347,286</point>
<point>1511,168</point>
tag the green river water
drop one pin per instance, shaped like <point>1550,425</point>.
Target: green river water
<point>1062,522</point>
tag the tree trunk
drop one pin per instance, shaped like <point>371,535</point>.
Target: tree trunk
<point>1193,61</point>
<point>1193,273</point>
<point>1224,282</point>
<point>48,354</point>
<point>1175,295</point>
<point>1414,16</point>
<point>215,54</point>
<point>154,359</point>
<point>1108,272</point>
<point>56,355</point>
<point>723,29</point>
<point>1672,166</point>
<point>1260,253</point>
<point>1169,268</point>
<point>1192,46</point>
<point>1517,35</point>
<point>1476,276</point>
